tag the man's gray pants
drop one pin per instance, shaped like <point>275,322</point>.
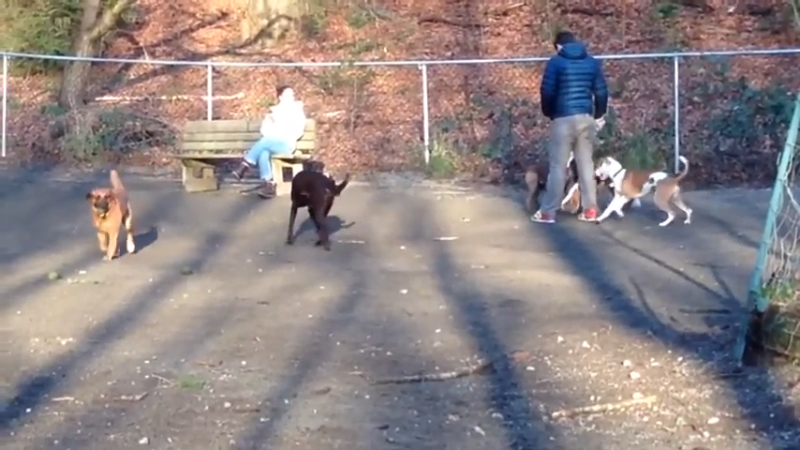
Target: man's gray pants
<point>575,134</point>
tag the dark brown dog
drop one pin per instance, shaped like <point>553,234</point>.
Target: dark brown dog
<point>315,191</point>
<point>110,211</point>
<point>536,180</point>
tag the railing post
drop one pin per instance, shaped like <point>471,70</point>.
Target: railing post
<point>676,86</point>
<point>4,131</point>
<point>209,92</point>
<point>425,117</point>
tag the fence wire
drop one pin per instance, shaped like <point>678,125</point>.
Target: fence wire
<point>774,323</point>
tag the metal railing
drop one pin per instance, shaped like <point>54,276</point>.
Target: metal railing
<point>421,64</point>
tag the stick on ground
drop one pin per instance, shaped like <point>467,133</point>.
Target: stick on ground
<point>601,408</point>
<point>480,367</point>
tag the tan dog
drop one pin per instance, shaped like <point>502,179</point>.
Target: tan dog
<point>110,211</point>
<point>634,184</point>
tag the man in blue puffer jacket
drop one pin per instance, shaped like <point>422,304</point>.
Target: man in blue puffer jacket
<point>574,96</point>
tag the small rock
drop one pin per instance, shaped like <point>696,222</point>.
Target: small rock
<point>404,291</point>
<point>479,430</point>
<point>627,363</point>
<point>144,441</point>
<point>635,375</point>
<point>559,339</point>
<point>638,395</point>
<point>713,420</point>
<point>53,276</point>
<point>322,391</point>
<point>585,344</point>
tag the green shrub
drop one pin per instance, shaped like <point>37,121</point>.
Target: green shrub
<point>38,27</point>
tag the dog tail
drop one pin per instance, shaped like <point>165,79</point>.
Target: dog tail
<point>118,188</point>
<point>340,187</point>
<point>116,182</point>
<point>685,170</point>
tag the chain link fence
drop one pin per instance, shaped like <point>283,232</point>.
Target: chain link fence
<point>441,116</point>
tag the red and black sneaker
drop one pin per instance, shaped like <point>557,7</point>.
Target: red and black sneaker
<point>588,215</point>
<point>542,217</point>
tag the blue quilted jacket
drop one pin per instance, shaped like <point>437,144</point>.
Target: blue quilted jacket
<point>573,83</point>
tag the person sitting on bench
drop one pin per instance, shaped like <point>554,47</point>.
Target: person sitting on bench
<point>280,131</point>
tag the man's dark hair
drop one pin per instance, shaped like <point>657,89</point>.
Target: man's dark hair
<point>563,38</point>
<point>279,90</point>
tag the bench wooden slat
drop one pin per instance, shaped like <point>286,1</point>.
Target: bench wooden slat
<point>295,156</point>
<point>232,136</point>
<point>235,146</point>
<point>250,136</point>
<point>237,125</point>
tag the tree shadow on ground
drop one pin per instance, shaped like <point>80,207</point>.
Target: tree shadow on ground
<point>524,428</point>
<point>31,392</point>
<point>344,322</point>
<point>573,244</point>
<point>390,405</point>
<point>36,225</point>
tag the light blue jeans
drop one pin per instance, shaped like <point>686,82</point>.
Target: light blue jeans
<point>260,153</point>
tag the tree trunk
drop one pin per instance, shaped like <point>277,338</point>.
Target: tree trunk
<point>93,27</point>
<point>269,21</point>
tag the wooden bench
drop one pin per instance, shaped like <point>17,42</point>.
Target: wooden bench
<point>206,144</point>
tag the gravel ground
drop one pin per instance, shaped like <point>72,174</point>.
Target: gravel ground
<point>217,335</point>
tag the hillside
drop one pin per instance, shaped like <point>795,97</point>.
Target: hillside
<point>371,119</point>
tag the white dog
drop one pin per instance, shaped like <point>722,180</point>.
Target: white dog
<point>634,184</point>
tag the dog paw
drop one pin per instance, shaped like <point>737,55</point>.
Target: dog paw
<point>317,244</point>
<point>289,241</point>
<point>327,247</point>
<point>131,249</point>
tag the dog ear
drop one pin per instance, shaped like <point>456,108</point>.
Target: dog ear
<point>89,196</point>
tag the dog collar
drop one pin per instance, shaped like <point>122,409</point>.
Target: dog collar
<point>617,172</point>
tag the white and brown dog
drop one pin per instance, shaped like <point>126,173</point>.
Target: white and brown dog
<point>635,184</point>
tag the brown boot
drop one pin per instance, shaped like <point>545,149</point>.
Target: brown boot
<point>241,171</point>
<point>267,191</point>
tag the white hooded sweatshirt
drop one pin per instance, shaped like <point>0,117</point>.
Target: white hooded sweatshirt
<point>286,121</point>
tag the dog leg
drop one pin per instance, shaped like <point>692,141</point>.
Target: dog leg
<point>292,217</point>
<point>569,195</point>
<point>130,244</point>
<point>636,203</point>
<point>102,240</point>
<point>531,204</point>
<point>322,230</point>
<point>662,200</point>
<point>113,245</point>
<point>313,216</point>
<point>615,206</point>
<point>677,199</point>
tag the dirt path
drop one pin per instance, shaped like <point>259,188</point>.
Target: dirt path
<point>239,342</point>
